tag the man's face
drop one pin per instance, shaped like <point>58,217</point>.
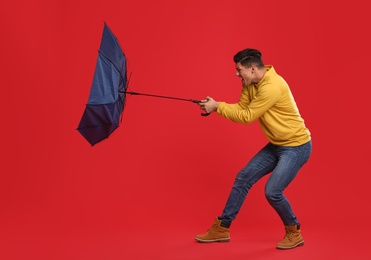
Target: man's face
<point>246,74</point>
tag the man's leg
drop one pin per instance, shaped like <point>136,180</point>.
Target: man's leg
<point>261,164</point>
<point>290,161</point>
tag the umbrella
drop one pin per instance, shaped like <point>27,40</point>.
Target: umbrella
<point>108,92</point>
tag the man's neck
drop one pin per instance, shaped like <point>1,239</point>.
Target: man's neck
<point>259,75</point>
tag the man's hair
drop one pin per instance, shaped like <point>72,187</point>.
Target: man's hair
<point>248,57</point>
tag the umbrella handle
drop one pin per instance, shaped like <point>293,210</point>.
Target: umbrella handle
<point>199,101</point>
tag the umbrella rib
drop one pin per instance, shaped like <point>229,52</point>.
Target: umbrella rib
<point>113,64</point>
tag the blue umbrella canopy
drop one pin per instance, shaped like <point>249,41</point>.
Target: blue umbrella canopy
<point>102,114</point>
<point>108,91</point>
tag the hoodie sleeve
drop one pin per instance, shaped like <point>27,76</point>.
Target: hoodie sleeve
<point>245,111</point>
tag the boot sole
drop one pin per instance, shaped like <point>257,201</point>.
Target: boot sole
<point>291,247</point>
<point>213,240</point>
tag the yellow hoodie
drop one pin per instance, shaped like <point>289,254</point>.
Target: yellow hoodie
<point>271,102</point>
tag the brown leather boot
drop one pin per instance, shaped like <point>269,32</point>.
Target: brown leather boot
<point>292,238</point>
<point>216,233</point>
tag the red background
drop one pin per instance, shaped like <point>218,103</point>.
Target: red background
<point>166,172</point>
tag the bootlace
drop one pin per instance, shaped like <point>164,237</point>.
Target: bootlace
<point>289,234</point>
<point>213,227</point>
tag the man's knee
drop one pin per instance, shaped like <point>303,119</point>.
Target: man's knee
<point>273,196</point>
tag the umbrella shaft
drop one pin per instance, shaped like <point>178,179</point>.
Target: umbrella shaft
<point>158,96</point>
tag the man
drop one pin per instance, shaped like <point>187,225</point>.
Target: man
<point>267,97</point>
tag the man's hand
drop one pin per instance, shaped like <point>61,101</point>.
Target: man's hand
<point>209,105</point>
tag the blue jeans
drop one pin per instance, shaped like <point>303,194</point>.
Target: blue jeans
<point>284,162</point>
